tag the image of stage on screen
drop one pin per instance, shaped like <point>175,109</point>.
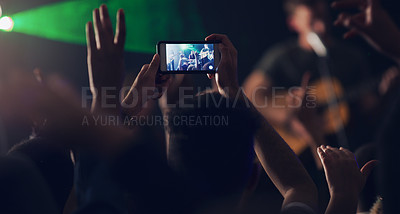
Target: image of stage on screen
<point>190,57</point>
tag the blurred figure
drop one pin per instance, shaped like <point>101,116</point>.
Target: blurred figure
<point>373,23</point>
<point>204,55</point>
<point>321,111</point>
<point>285,65</point>
<point>183,63</point>
<point>193,61</point>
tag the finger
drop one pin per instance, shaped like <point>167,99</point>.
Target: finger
<point>225,42</point>
<point>322,155</point>
<point>154,65</point>
<point>351,34</point>
<point>345,18</point>
<point>355,23</point>
<point>90,38</point>
<point>162,78</point>
<point>210,76</point>
<point>304,83</point>
<point>345,150</point>
<point>98,29</point>
<point>144,69</point>
<point>333,149</point>
<point>331,153</point>
<point>220,37</point>
<point>120,35</point>
<point>38,75</point>
<point>345,154</point>
<point>162,88</point>
<point>225,55</point>
<point>225,60</point>
<point>340,19</point>
<point>361,17</point>
<point>157,93</point>
<point>346,4</point>
<point>305,80</point>
<point>105,19</point>
<point>368,167</point>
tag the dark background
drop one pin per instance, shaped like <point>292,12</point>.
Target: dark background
<point>252,25</point>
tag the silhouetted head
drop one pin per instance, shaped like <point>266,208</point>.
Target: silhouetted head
<point>304,16</point>
<point>211,144</point>
<point>54,163</point>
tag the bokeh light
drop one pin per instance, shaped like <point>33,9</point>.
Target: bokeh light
<point>6,23</point>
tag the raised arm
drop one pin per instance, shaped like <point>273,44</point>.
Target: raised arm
<point>105,58</point>
<point>149,84</point>
<point>373,23</point>
<point>106,68</point>
<point>283,167</point>
<point>278,160</point>
<point>345,179</point>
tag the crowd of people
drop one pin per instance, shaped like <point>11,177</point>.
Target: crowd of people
<point>97,159</point>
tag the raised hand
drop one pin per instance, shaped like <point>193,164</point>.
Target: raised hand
<point>226,76</point>
<point>149,84</point>
<point>373,23</point>
<point>345,179</point>
<point>105,53</point>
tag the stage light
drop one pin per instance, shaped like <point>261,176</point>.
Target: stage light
<point>147,21</point>
<point>6,23</point>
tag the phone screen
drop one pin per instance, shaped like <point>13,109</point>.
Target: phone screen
<point>188,57</point>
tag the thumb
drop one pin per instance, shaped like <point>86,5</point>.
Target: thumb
<point>355,22</point>
<point>350,34</point>
<point>225,56</point>
<point>154,65</point>
<point>38,75</point>
<point>368,167</point>
<point>143,70</point>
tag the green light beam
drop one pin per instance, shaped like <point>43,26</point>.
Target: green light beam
<point>148,21</point>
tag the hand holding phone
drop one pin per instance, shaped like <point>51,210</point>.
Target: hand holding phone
<point>190,58</point>
<point>226,76</point>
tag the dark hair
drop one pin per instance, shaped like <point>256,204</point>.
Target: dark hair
<point>290,5</point>
<point>215,157</point>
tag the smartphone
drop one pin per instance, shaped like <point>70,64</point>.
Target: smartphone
<point>182,57</point>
